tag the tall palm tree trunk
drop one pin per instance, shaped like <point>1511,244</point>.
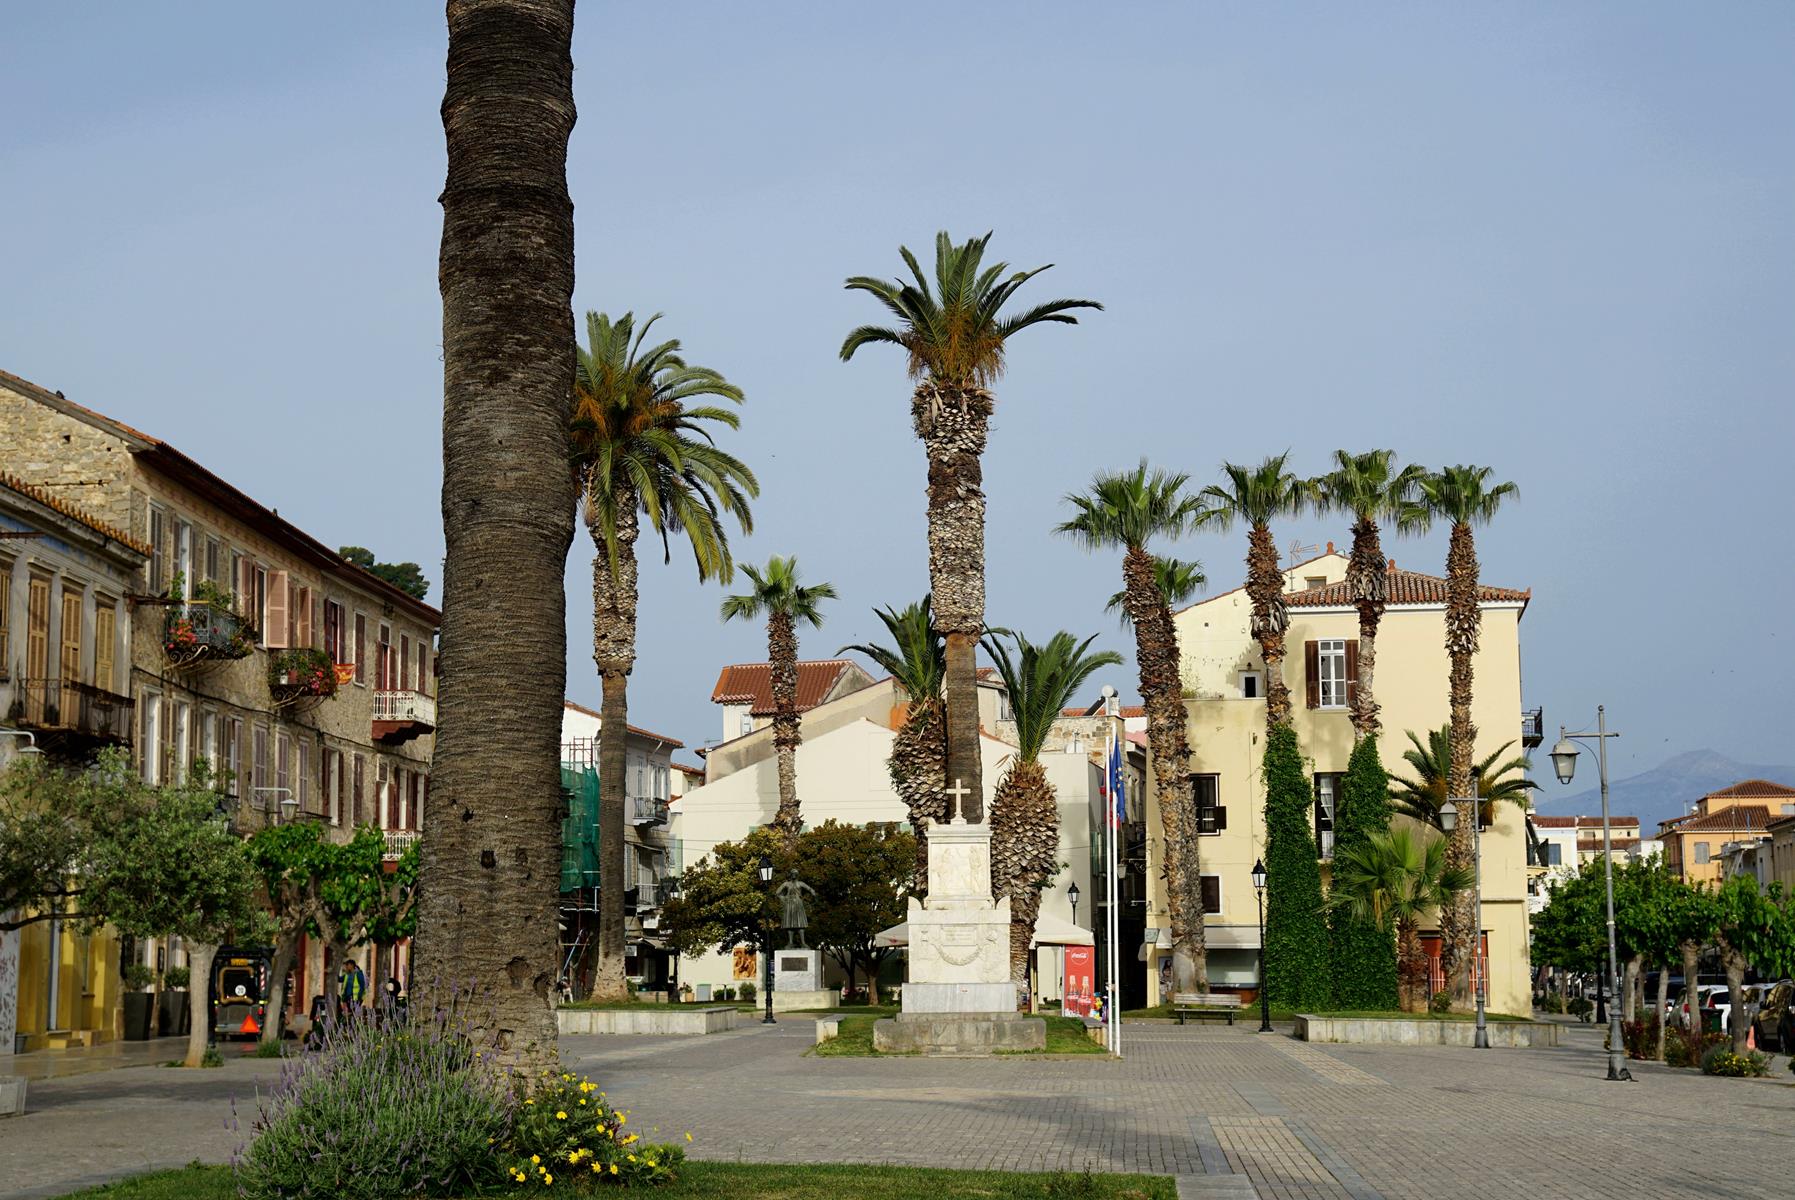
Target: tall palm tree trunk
<point>491,866</point>
<point>1411,970</point>
<point>1368,581</point>
<point>1265,585</point>
<point>1458,938</point>
<point>1025,843</point>
<point>952,423</point>
<point>1162,694</point>
<point>614,597</point>
<point>782,655</point>
<point>918,767</point>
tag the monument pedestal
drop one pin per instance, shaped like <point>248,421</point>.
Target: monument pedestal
<point>958,995</point>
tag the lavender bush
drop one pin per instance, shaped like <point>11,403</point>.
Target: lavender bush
<point>392,1105</point>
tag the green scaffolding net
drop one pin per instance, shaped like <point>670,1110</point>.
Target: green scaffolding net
<point>579,829</point>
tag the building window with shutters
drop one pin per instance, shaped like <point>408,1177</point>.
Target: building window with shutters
<point>359,647</point>
<point>232,756</point>
<point>355,794</point>
<point>1701,853</point>
<point>1331,672</point>
<point>5,608</point>
<point>1212,895</point>
<point>1206,796</point>
<point>158,551</point>
<point>258,779</point>
<point>105,641</point>
<point>1327,799</point>
<point>149,741</point>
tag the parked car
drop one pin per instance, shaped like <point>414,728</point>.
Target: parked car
<point>1774,1024</point>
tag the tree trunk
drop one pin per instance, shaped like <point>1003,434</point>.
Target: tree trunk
<point>1692,1016</point>
<point>1737,1026</point>
<point>1369,580</point>
<point>1462,621</point>
<point>1025,846</point>
<point>1630,989</point>
<point>615,598</point>
<point>199,1029</point>
<point>782,660</point>
<point>1168,748</point>
<point>1271,617</point>
<point>918,767</point>
<point>286,947</point>
<point>1411,967</point>
<point>1663,1002</point>
<point>952,423</point>
<point>491,866</point>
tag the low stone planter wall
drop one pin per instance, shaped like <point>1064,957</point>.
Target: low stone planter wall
<point>673,1021</point>
<point>1391,1031</point>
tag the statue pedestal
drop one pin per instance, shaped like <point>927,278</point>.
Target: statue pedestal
<point>958,995</point>
<point>797,971</point>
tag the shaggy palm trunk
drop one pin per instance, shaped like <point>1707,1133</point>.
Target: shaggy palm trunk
<point>614,599</point>
<point>1462,619</point>
<point>1411,966</point>
<point>1265,586</point>
<point>199,1028</point>
<point>918,766</point>
<point>1025,846</point>
<point>1162,693</point>
<point>1692,1016</point>
<point>782,656</point>
<point>490,877</point>
<point>1369,583</point>
<point>952,423</point>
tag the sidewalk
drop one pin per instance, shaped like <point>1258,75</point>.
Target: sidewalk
<point>83,1060</point>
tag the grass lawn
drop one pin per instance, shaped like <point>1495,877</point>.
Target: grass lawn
<point>754,1181</point>
<point>881,1010</point>
<point>1251,1013</point>
<point>1065,1035</point>
<point>1421,1016</point>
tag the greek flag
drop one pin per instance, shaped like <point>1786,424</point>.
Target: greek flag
<point>1115,789</point>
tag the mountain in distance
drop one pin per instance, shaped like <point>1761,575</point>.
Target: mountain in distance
<point>1656,795</point>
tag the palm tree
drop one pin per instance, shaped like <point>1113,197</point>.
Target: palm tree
<point>506,276</point>
<point>641,448</point>
<point>955,336</point>
<point>918,762</point>
<point>1258,496</point>
<point>1178,580</point>
<point>1370,488</point>
<point>1464,497</point>
<point>1423,796</point>
<point>1127,510</point>
<point>1392,879</point>
<point>786,604</point>
<point>1025,816</point>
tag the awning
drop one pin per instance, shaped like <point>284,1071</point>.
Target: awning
<point>1215,937</point>
<point>1049,931</point>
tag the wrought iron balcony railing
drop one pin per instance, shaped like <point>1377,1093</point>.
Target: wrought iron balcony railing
<point>646,810</point>
<point>74,710</point>
<point>1533,727</point>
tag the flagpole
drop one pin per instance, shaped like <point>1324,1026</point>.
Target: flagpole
<point>1113,769</point>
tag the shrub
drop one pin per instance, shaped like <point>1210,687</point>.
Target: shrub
<point>1580,1007</point>
<point>564,1129</point>
<point>1640,1038</point>
<point>385,1109</point>
<point>176,977</point>
<point>1296,932</point>
<point>1363,956</point>
<point>1440,1002</point>
<point>137,977</point>
<point>1720,1060</point>
<point>1682,1050</point>
<point>746,992</point>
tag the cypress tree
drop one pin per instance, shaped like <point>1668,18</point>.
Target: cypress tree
<point>1363,956</point>
<point>1296,932</point>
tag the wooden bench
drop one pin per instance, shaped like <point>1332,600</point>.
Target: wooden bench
<point>1204,1005</point>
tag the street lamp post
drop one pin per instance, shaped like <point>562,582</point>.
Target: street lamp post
<point>1448,819</point>
<point>766,881</point>
<point>1264,996</point>
<point>1564,763</point>
<point>1072,895</point>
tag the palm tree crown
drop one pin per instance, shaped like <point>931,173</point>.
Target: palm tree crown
<point>955,332</point>
<point>1423,796</point>
<point>638,441</point>
<point>1395,878</point>
<point>917,658</point>
<point>1256,495</point>
<point>1460,495</point>
<point>1368,485</point>
<point>1178,579</point>
<point>1042,678</point>
<point>777,592</point>
<point>1127,509</point>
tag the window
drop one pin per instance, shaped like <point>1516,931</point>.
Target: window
<point>258,779</point>
<point>283,769</point>
<point>184,556</point>
<point>1332,661</point>
<point>149,740</point>
<point>1327,797</point>
<point>205,746</point>
<point>1314,583</point>
<point>180,754</point>
<point>301,619</point>
<point>105,641</point>
<point>417,818</point>
<point>310,799</point>
<point>355,795</point>
<point>1250,686</point>
<point>158,550</point>
<point>359,649</point>
<point>1701,852</point>
<point>413,800</point>
<point>383,659</point>
<point>404,662</point>
<point>424,667</point>
<point>383,795</point>
<point>1206,794</point>
<point>333,631</point>
<point>747,723</point>
<point>214,560</point>
<point>70,662</point>
<point>272,597</point>
<point>231,756</point>
<point>1212,895</point>
<point>1554,854</point>
<point>5,607</point>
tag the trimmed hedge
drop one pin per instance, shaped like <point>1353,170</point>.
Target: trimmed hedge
<point>1363,956</point>
<point>1296,931</point>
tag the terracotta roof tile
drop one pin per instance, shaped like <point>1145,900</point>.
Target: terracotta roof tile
<point>1540,822</point>
<point>752,684</point>
<point>1406,587</point>
<point>1753,787</point>
<point>46,498</point>
<point>1092,710</point>
<point>1595,844</point>
<point>1734,817</point>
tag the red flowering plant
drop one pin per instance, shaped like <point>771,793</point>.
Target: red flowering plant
<point>206,626</point>
<point>302,672</point>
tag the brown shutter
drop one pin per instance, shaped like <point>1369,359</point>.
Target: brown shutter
<point>275,636</point>
<point>355,802</point>
<point>1352,672</point>
<point>1212,894</point>
<point>1312,672</point>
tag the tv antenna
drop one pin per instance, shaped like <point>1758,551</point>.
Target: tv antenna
<point>1298,551</point>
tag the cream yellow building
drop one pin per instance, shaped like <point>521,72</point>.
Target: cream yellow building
<point>1224,682</point>
<point>1742,812</point>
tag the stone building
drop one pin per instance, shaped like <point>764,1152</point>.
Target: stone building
<point>305,682</point>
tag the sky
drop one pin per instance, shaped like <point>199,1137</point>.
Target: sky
<point>1551,239</point>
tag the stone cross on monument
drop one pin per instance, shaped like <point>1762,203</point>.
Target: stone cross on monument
<point>957,803</point>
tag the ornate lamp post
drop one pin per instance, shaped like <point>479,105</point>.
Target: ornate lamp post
<point>1564,763</point>
<point>1264,996</point>
<point>1448,821</point>
<point>766,883</point>
<point>1072,895</point>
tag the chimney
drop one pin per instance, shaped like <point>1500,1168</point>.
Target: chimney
<point>1330,547</point>
<point>1392,564</point>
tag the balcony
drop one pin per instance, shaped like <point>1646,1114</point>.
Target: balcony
<point>646,810</point>
<point>301,679</point>
<point>196,635</point>
<point>400,716</point>
<point>398,841</point>
<point>71,719</point>
<point>1533,727</point>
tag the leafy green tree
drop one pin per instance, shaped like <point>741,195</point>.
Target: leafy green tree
<point>46,842</point>
<point>349,889</point>
<point>392,913</point>
<point>954,336</point>
<point>861,874</point>
<point>1394,879</point>
<point>1647,903</point>
<point>721,901</point>
<point>1362,952</point>
<point>287,860</point>
<point>408,577</point>
<point>786,603</point>
<point>1422,796</point>
<point>1296,931</point>
<point>1754,929</point>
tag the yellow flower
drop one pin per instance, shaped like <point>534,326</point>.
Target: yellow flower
<point>561,1115</point>
<point>596,1168</point>
<point>547,1179</point>
<point>688,1136</point>
<point>632,1158</point>
<point>613,1168</point>
<point>536,1158</point>
<point>582,1102</point>
<point>623,1118</point>
<point>573,1156</point>
<point>529,1101</point>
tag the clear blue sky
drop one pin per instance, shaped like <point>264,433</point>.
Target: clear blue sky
<point>1551,238</point>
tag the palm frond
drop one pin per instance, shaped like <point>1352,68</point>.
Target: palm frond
<point>1042,679</point>
<point>918,661</point>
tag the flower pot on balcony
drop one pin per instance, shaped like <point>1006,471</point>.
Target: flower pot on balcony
<point>137,1016</point>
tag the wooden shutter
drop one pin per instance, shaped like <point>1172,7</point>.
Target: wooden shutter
<point>1352,672</point>
<point>361,648</point>
<point>158,550</point>
<point>404,663</point>
<point>417,821</point>
<point>302,616</point>
<point>1312,672</point>
<point>1212,894</point>
<point>275,636</point>
<point>355,795</point>
<point>105,634</point>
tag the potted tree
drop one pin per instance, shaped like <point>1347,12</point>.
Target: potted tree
<point>138,1001</point>
<point>176,1008</point>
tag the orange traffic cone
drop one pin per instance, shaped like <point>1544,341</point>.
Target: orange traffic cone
<point>249,1024</point>
<point>1751,1037</point>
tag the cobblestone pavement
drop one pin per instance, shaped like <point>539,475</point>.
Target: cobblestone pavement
<point>1220,1107</point>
